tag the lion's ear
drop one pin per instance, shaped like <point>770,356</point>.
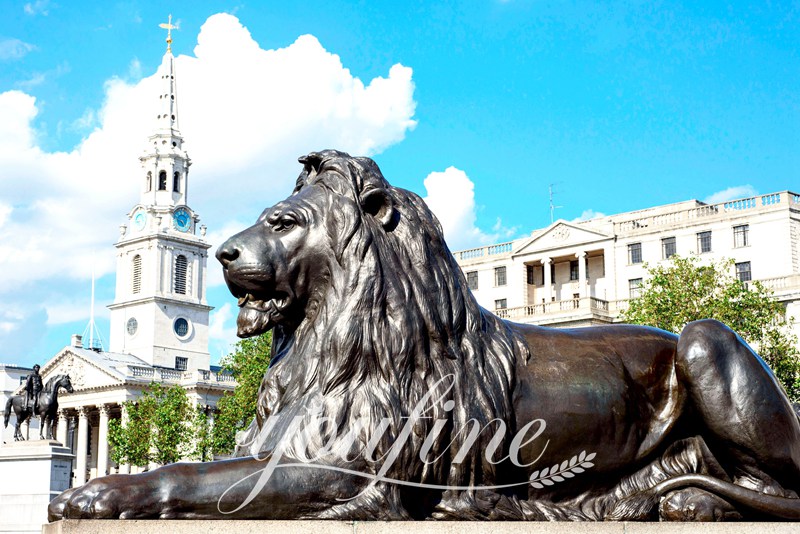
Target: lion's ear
<point>380,205</point>
<point>311,161</point>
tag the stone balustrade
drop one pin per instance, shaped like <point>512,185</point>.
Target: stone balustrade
<point>481,252</point>
<point>157,374</point>
<point>771,200</point>
<point>591,304</point>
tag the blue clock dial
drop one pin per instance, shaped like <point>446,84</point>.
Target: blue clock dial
<point>139,220</point>
<point>182,219</point>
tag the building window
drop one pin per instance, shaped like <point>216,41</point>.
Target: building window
<point>149,181</point>
<point>132,325</point>
<point>634,253</point>
<point>176,182</point>
<point>181,327</point>
<point>741,236</point>
<point>529,275</point>
<point>500,304</point>
<point>180,274</point>
<point>703,242</point>
<point>499,276</point>
<point>136,284</point>
<point>472,280</point>
<point>743,272</point>
<point>181,363</point>
<point>668,248</point>
<point>573,270</point>
<point>635,288</point>
<point>162,181</point>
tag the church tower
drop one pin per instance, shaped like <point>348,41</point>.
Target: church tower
<point>160,312</point>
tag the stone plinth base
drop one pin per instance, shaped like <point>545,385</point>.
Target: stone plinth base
<point>100,526</point>
<point>31,474</point>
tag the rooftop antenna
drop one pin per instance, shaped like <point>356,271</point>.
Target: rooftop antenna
<point>91,332</point>
<point>552,206</point>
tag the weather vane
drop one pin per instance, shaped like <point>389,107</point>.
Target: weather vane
<point>169,27</point>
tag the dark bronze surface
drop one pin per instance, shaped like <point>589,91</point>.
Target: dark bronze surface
<point>372,319</point>
<point>37,402</point>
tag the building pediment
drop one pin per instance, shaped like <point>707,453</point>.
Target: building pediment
<point>84,367</point>
<point>561,235</point>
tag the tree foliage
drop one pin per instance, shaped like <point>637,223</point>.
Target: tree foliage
<point>248,362</point>
<point>161,428</point>
<point>683,290</point>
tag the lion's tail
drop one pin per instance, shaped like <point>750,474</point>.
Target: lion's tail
<point>7,413</point>
<point>772,505</point>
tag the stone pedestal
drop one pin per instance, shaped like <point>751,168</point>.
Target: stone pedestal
<point>31,474</point>
<point>101,526</point>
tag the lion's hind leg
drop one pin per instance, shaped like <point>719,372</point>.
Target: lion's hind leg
<point>741,410</point>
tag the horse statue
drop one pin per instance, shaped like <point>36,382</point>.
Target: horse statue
<point>47,409</point>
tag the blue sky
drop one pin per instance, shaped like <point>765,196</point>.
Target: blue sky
<point>480,104</point>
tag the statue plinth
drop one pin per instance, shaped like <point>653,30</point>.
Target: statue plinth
<point>31,474</point>
<point>153,526</point>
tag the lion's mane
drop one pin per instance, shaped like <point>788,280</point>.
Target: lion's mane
<point>396,317</point>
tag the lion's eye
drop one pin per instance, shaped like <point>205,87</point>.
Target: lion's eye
<point>283,224</point>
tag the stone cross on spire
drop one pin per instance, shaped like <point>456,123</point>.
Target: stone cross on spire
<point>169,27</point>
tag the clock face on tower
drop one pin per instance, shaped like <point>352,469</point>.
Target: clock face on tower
<point>139,219</point>
<point>182,219</point>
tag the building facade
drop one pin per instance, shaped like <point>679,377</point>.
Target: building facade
<point>159,317</point>
<point>584,273</point>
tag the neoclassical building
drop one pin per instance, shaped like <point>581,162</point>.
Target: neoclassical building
<point>584,273</point>
<point>159,317</point>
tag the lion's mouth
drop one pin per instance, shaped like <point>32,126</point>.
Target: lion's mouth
<point>258,315</point>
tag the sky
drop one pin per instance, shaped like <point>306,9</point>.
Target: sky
<point>481,107</point>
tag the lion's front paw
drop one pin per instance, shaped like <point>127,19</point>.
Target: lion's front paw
<point>116,496</point>
<point>95,500</point>
<point>55,510</point>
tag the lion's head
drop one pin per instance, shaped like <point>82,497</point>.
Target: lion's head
<point>369,310</point>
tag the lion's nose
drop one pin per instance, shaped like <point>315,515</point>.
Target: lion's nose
<point>227,253</point>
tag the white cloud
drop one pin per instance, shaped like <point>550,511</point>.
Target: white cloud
<point>39,7</point>
<point>588,215</point>
<point>731,193</point>
<point>246,114</point>
<point>451,197</point>
<point>222,329</point>
<point>218,237</point>
<point>14,49</point>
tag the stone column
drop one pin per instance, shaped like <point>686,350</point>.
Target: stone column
<point>102,442</point>
<point>61,429</point>
<point>548,283</point>
<point>124,468</point>
<point>80,448</point>
<point>581,273</point>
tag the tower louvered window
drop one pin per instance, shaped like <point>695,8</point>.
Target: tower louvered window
<point>176,182</point>
<point>180,274</point>
<point>137,274</point>
<point>162,181</point>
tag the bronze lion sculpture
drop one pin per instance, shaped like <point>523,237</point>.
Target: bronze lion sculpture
<point>393,395</point>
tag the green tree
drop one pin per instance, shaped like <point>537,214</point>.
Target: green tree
<point>203,437</point>
<point>683,290</point>
<point>248,362</point>
<point>159,428</point>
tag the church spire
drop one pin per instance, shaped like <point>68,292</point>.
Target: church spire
<point>165,162</point>
<point>160,312</point>
<point>168,108</point>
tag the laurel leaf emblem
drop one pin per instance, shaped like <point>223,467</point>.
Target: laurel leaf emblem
<point>560,472</point>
